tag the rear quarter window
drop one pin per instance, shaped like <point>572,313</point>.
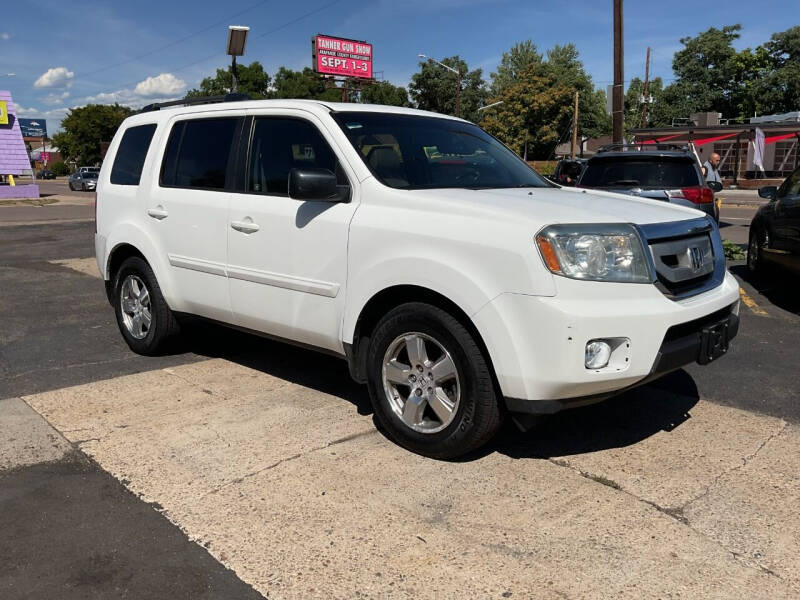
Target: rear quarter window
<point>651,172</point>
<point>132,151</point>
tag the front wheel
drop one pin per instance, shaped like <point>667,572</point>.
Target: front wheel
<point>755,263</point>
<point>143,317</point>
<point>430,384</point>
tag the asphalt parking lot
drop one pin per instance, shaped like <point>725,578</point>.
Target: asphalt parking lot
<point>237,467</point>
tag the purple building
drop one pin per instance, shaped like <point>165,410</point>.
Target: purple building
<point>13,156</point>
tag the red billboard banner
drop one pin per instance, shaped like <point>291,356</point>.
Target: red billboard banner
<point>343,57</point>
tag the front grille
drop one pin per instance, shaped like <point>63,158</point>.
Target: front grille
<point>687,256</point>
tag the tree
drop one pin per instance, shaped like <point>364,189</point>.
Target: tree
<point>434,88</point>
<point>85,127</point>
<point>384,92</point>
<point>780,89</point>
<point>534,111</point>
<point>658,113</point>
<point>251,79</point>
<point>513,63</point>
<point>564,63</point>
<point>304,84</point>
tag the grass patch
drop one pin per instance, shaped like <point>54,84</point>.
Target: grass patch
<point>733,251</point>
<point>604,480</point>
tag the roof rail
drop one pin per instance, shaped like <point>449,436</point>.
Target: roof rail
<point>646,145</point>
<point>197,100</point>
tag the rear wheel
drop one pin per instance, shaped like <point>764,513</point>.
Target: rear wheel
<point>430,385</point>
<point>143,317</point>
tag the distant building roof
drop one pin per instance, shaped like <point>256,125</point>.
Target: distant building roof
<point>791,117</point>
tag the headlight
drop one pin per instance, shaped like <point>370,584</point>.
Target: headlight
<point>599,252</point>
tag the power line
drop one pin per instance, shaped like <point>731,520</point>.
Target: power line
<point>174,43</point>
<point>266,33</point>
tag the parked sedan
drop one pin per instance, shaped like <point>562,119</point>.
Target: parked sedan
<point>86,182</point>
<point>775,229</point>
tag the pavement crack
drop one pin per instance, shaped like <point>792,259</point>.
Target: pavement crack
<point>745,461</point>
<point>287,459</point>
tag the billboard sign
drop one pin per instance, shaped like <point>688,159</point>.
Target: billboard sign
<point>33,127</point>
<point>342,57</point>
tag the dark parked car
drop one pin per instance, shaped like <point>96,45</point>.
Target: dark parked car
<point>86,181</point>
<point>46,174</point>
<point>775,229</point>
<point>671,174</point>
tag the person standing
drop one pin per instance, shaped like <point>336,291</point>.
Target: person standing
<point>711,166</point>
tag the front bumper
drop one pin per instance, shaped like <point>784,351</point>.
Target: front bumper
<point>683,344</point>
<point>537,343</point>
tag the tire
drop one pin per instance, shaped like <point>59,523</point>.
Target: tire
<point>143,337</point>
<point>71,189</point>
<point>463,412</point>
<point>755,259</point>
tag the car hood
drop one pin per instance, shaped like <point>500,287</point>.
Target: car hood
<point>545,206</point>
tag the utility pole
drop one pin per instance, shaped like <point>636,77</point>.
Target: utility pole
<point>646,83</point>
<point>575,126</point>
<point>619,74</point>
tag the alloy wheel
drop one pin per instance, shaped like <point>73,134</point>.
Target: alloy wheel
<point>136,307</point>
<point>421,382</point>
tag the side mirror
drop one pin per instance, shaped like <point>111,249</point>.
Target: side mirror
<point>316,184</point>
<point>769,191</point>
<point>714,185</point>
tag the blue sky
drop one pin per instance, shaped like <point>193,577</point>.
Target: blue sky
<point>65,54</point>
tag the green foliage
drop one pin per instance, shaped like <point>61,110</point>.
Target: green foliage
<point>60,169</point>
<point>385,93</point>
<point>304,84</point>
<point>85,127</point>
<point>434,88</point>
<point>732,251</point>
<point>252,80</point>
<point>513,63</point>
<point>537,95</point>
<point>535,111</point>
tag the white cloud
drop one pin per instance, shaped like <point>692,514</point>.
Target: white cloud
<point>153,89</point>
<point>35,113</point>
<point>5,36</point>
<point>165,84</point>
<point>54,99</point>
<point>58,77</point>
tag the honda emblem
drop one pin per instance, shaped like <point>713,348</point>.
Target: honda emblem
<point>695,257</point>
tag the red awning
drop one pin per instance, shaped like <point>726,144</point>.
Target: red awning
<point>705,141</point>
<point>663,139</point>
<point>778,138</point>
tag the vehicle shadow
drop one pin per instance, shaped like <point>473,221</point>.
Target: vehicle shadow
<point>615,423</point>
<point>621,421</point>
<point>315,370</point>
<point>779,286</point>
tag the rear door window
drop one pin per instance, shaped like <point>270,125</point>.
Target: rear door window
<point>279,145</point>
<point>128,162</point>
<point>198,154</point>
<point>653,172</point>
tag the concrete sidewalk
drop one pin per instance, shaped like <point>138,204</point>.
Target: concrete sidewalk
<point>647,495</point>
<point>741,198</point>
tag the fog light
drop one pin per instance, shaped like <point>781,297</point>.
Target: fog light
<point>598,354</point>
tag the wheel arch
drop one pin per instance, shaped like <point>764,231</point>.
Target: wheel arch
<point>391,297</point>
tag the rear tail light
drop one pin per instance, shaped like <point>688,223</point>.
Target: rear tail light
<point>698,194</point>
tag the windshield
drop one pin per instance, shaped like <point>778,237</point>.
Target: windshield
<point>652,172</point>
<point>89,175</point>
<point>412,152</point>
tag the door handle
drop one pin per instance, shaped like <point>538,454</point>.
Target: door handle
<point>158,212</point>
<point>245,226</point>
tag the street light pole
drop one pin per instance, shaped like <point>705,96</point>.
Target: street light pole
<point>619,74</point>
<point>458,80</point>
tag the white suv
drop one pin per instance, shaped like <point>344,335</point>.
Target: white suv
<point>458,283</point>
